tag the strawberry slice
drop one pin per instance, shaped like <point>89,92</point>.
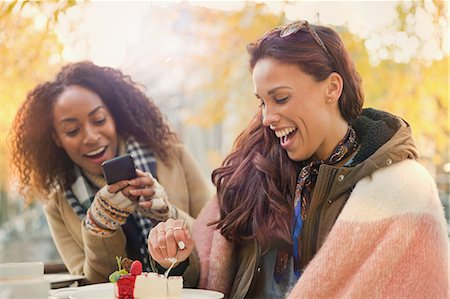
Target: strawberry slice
<point>136,268</point>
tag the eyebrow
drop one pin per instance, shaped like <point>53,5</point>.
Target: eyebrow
<point>72,119</point>
<point>273,90</point>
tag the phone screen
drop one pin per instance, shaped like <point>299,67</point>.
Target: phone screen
<point>119,168</point>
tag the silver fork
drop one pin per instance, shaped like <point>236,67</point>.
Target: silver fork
<point>173,260</point>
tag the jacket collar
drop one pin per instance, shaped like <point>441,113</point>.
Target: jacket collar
<point>384,139</point>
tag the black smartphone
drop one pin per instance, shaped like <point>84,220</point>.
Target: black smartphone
<point>119,168</point>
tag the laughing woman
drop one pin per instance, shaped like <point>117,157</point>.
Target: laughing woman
<point>319,197</point>
<point>63,132</point>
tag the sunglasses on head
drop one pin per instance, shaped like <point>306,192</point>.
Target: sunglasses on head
<point>292,28</point>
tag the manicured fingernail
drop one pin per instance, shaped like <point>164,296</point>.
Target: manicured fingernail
<point>181,245</point>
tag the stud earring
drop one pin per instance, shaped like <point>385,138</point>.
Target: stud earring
<point>329,100</point>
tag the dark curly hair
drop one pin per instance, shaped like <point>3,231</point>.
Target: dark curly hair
<point>41,166</point>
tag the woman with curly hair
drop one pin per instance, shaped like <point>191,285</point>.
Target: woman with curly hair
<point>319,198</point>
<point>65,130</point>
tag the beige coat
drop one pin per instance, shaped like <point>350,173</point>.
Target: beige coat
<point>95,257</point>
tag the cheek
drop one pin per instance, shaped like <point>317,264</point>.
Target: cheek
<point>70,145</point>
<point>312,117</point>
<point>112,133</point>
<point>110,128</point>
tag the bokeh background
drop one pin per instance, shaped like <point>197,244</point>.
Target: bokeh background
<point>191,56</point>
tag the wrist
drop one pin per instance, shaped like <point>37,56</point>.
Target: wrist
<point>94,227</point>
<point>117,200</point>
<point>161,210</point>
<point>108,212</point>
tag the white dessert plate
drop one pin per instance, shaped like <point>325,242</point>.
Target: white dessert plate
<point>58,280</point>
<point>105,291</point>
<point>200,294</point>
<point>96,291</point>
<point>102,290</point>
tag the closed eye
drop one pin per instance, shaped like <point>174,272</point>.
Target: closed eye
<point>100,121</point>
<point>72,133</point>
<point>281,100</point>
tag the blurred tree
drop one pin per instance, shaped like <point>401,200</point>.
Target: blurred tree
<point>226,88</point>
<point>417,90</point>
<point>414,15</point>
<point>52,9</point>
<point>29,53</point>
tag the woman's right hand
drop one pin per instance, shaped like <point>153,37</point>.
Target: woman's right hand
<point>140,184</point>
<point>170,239</point>
<point>109,210</point>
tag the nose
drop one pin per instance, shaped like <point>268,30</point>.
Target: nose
<point>270,117</point>
<point>91,135</point>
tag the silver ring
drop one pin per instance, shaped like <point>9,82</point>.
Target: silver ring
<point>177,228</point>
<point>162,247</point>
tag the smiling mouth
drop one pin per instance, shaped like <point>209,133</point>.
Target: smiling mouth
<point>96,153</point>
<point>285,134</point>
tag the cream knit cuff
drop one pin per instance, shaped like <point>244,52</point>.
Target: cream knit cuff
<point>161,209</point>
<point>108,211</point>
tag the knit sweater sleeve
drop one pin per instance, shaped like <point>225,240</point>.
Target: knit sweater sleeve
<point>390,241</point>
<point>214,251</point>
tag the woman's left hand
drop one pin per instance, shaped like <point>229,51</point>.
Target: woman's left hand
<point>170,239</point>
<point>146,187</point>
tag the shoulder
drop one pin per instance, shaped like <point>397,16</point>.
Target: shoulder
<point>54,204</point>
<point>181,164</point>
<point>53,200</point>
<point>183,155</point>
<point>404,187</point>
<point>180,150</point>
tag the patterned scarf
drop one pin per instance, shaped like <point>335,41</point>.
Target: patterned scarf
<point>306,181</point>
<point>82,193</point>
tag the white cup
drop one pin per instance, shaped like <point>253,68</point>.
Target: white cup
<point>23,280</point>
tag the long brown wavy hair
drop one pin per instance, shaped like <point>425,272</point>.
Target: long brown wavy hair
<point>256,182</point>
<point>255,199</point>
<point>40,165</point>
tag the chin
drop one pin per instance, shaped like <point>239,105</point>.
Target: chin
<point>296,156</point>
<point>96,170</point>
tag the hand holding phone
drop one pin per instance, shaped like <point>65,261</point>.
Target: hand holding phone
<point>150,194</point>
<point>119,168</point>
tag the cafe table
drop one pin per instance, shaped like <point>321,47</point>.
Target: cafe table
<point>106,291</point>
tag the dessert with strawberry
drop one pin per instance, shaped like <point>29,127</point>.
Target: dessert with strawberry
<point>131,283</point>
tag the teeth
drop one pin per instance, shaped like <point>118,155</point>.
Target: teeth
<point>97,151</point>
<point>284,132</point>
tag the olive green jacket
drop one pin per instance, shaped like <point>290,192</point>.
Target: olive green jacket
<point>384,140</point>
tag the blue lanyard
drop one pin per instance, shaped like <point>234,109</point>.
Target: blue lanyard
<point>296,233</point>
